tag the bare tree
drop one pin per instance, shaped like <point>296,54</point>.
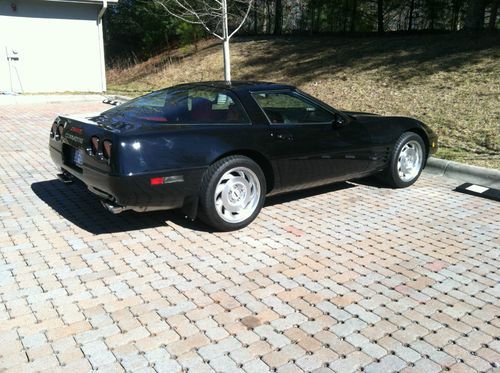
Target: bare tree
<point>221,18</point>
<point>380,16</point>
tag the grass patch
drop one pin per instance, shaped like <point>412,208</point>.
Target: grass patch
<point>449,81</point>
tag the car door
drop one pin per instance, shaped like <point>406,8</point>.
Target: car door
<point>311,144</point>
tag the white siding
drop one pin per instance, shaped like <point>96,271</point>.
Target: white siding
<point>58,44</point>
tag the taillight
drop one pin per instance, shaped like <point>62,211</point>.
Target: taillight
<point>95,144</point>
<point>157,180</point>
<point>106,144</point>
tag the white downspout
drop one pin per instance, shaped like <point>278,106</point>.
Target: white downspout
<point>103,9</point>
<point>101,44</point>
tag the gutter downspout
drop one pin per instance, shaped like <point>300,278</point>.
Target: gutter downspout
<point>103,9</point>
<point>101,44</point>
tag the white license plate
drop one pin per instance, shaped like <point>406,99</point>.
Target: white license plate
<point>78,157</point>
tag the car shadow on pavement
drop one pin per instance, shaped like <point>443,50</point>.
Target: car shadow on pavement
<point>371,181</point>
<point>305,193</point>
<point>77,205</point>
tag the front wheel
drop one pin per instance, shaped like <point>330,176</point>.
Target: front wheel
<point>232,193</point>
<point>406,162</point>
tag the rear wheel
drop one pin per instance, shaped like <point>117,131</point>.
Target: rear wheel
<point>406,162</point>
<point>232,193</point>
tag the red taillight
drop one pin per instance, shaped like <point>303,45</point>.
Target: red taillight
<point>95,144</point>
<point>156,180</point>
<point>106,144</point>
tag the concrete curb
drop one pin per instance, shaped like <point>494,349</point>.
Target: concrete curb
<point>477,175</point>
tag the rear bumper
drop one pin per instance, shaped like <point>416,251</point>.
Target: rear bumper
<point>135,191</point>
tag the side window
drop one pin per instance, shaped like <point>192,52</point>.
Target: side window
<point>207,106</point>
<point>291,108</point>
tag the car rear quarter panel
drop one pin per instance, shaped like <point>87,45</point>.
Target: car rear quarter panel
<point>185,147</point>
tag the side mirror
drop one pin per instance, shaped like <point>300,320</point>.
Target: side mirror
<point>339,121</point>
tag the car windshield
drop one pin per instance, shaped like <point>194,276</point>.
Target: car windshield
<point>200,105</point>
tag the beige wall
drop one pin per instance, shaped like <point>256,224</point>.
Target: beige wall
<point>59,46</point>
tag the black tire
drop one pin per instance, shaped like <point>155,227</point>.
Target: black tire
<point>391,175</point>
<point>208,212</point>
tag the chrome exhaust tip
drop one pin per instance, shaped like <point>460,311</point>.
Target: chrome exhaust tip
<point>112,208</point>
<point>65,178</point>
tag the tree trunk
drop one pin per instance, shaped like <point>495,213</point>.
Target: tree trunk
<point>492,24</point>
<point>474,19</point>
<point>278,18</point>
<point>353,15</point>
<point>431,15</point>
<point>410,21</point>
<point>313,17</point>
<point>318,18</point>
<point>269,16</point>
<point>380,16</point>
<point>255,18</point>
<point>225,43</point>
<point>227,60</point>
<point>332,17</point>
<point>455,13</point>
<point>345,12</point>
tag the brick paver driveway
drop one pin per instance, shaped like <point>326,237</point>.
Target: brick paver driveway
<point>349,277</point>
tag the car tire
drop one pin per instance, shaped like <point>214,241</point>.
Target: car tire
<point>232,193</point>
<point>406,162</point>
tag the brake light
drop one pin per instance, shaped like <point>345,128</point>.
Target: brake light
<point>156,180</point>
<point>95,144</point>
<point>107,145</point>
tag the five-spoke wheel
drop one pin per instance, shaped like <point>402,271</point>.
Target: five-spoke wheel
<point>232,193</point>
<point>406,162</point>
<point>410,160</point>
<point>237,194</point>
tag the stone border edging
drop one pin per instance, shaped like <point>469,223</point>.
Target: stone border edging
<point>464,172</point>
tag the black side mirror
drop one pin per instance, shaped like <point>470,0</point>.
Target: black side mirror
<point>339,121</point>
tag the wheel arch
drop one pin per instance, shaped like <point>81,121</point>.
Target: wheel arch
<point>425,137</point>
<point>258,158</point>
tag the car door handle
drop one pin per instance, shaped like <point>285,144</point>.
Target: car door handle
<point>282,136</point>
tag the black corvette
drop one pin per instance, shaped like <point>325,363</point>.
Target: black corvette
<point>216,149</point>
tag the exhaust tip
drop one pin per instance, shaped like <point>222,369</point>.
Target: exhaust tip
<point>65,178</point>
<point>112,208</point>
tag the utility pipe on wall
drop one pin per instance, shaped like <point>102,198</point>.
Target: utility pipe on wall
<point>102,11</point>
<point>101,44</point>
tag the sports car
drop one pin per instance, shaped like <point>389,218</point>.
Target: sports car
<point>217,149</point>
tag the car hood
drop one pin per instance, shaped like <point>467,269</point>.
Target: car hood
<point>358,114</point>
<point>364,117</point>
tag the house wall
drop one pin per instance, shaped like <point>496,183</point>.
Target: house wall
<point>58,45</point>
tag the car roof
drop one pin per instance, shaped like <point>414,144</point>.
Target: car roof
<point>238,85</point>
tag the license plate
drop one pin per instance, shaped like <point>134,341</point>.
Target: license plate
<point>78,157</point>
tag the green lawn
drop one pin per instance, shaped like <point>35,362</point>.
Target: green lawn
<point>449,81</point>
